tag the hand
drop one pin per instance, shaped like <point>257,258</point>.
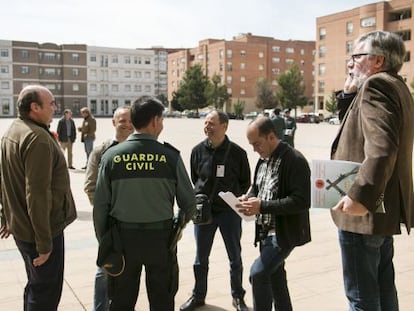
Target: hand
<point>4,231</point>
<point>351,84</point>
<point>250,207</point>
<point>41,259</point>
<point>350,207</point>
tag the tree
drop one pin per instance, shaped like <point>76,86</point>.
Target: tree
<point>331,104</point>
<point>192,93</point>
<point>175,103</point>
<point>265,97</point>
<point>291,89</point>
<point>217,94</point>
<point>238,107</point>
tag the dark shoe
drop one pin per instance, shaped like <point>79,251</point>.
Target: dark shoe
<point>84,168</point>
<point>192,303</point>
<point>239,304</point>
<point>71,168</point>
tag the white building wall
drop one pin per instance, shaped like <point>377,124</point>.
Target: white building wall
<point>6,79</point>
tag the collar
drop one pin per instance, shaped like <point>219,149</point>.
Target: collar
<point>223,145</point>
<point>140,136</point>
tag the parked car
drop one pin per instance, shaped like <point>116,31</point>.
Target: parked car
<point>334,120</point>
<point>235,116</point>
<point>308,118</point>
<point>251,115</point>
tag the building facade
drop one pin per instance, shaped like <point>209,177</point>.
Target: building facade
<point>241,62</point>
<point>337,32</point>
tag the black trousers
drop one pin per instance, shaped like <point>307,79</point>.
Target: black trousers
<point>149,248</point>
<point>44,284</point>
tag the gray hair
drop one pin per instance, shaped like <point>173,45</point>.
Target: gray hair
<point>387,44</point>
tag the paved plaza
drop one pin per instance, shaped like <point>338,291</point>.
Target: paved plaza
<point>314,270</point>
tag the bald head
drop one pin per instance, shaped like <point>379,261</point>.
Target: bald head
<point>31,94</point>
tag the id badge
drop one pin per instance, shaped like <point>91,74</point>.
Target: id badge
<point>220,171</point>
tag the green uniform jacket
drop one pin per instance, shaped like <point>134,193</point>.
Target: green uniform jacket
<point>138,182</point>
<point>35,186</point>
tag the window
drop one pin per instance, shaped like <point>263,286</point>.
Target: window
<point>200,56</point>
<point>115,88</point>
<point>400,15</point>
<point>405,35</point>
<point>127,88</point>
<point>25,54</point>
<point>49,56</point>
<point>127,74</point>
<point>75,72</point>
<point>275,71</point>
<point>147,61</point>
<point>4,53</point>
<point>407,56</point>
<point>322,69</point>
<point>221,54</point>
<point>49,72</point>
<point>75,57</point>
<point>348,47</point>
<point>25,70</point>
<point>322,33</point>
<point>289,61</point>
<point>114,104</point>
<point>261,67</point>
<point>321,86</point>
<point>349,28</point>
<point>51,87</point>
<point>242,53</point>
<point>229,66</point>
<point>275,60</point>
<point>147,75</point>
<point>5,85</point>
<point>137,74</point>
<point>115,74</point>
<point>114,59</point>
<point>276,49</point>
<point>302,52</point>
<point>75,87</point>
<point>242,79</point>
<point>368,22</point>
<point>229,53</point>
<point>93,58</point>
<point>242,91</point>
<point>5,106</point>
<point>93,72</point>
<point>322,51</point>
<point>290,50</point>
<point>229,79</point>
<point>127,60</point>
<point>93,87</point>
<point>229,90</point>
<point>147,88</point>
<point>4,69</point>
<point>242,65</point>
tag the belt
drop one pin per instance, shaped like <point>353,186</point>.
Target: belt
<point>158,225</point>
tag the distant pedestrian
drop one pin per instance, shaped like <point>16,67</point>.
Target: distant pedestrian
<point>66,134</point>
<point>290,128</point>
<point>87,130</point>
<point>278,123</point>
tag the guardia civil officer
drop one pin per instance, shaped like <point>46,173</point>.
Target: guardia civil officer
<point>137,183</point>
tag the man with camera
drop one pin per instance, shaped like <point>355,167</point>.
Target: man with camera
<point>217,164</point>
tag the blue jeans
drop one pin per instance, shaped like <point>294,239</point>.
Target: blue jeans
<point>268,277</point>
<point>368,271</point>
<point>88,146</point>
<point>100,297</point>
<point>44,283</point>
<point>229,224</point>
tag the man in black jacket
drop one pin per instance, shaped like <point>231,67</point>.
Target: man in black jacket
<point>66,131</point>
<point>280,199</point>
<point>217,164</point>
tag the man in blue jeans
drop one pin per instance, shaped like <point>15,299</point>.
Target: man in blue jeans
<point>217,164</point>
<point>280,199</point>
<point>87,130</point>
<point>377,131</point>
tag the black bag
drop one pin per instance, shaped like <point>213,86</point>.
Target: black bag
<point>203,215</point>
<point>110,256</point>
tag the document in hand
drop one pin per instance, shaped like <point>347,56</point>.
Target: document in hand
<point>331,180</point>
<point>232,201</point>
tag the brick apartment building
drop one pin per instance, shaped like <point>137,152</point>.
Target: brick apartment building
<point>78,75</point>
<point>241,62</point>
<point>336,33</point>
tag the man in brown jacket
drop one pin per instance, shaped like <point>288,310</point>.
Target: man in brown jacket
<point>377,131</point>
<point>87,130</point>
<point>36,198</point>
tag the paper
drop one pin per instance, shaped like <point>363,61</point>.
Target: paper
<point>331,180</point>
<point>232,201</point>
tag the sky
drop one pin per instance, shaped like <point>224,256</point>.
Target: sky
<point>168,23</point>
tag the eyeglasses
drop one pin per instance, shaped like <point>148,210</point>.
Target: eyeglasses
<point>355,57</point>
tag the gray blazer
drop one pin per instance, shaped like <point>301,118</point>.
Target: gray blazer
<point>378,132</point>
